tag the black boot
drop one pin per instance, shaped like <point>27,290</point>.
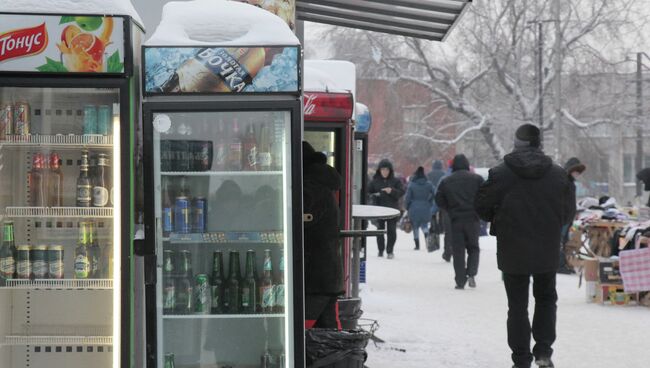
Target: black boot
<point>417,244</point>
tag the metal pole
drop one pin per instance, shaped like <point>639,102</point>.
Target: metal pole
<point>540,76</point>
<point>356,261</point>
<point>558,83</point>
<point>639,121</point>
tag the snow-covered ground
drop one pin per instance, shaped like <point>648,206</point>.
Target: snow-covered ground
<point>413,298</point>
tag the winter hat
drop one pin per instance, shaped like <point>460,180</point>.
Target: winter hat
<point>460,163</point>
<point>385,163</point>
<point>527,135</point>
<point>437,165</point>
<point>574,164</point>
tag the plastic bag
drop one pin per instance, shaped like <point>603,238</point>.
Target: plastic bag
<point>405,223</point>
<point>327,347</point>
<point>433,243</point>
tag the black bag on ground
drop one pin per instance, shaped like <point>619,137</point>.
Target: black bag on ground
<point>329,348</point>
<point>433,242</point>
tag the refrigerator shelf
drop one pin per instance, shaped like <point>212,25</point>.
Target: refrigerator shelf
<point>223,316</point>
<point>63,284</point>
<point>41,212</point>
<point>58,141</point>
<point>18,340</point>
<point>228,237</point>
<point>221,173</point>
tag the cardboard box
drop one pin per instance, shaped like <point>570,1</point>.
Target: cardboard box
<point>591,269</point>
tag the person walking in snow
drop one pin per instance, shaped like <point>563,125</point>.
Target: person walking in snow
<point>419,198</point>
<point>527,199</point>
<point>435,176</point>
<point>387,190</point>
<point>574,169</point>
<point>456,194</point>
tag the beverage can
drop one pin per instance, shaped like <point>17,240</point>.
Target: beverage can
<point>21,118</point>
<point>199,212</point>
<point>182,215</point>
<point>202,297</point>
<point>104,117</point>
<point>55,262</point>
<point>169,360</point>
<point>6,120</point>
<point>23,262</point>
<point>39,262</point>
<point>90,120</point>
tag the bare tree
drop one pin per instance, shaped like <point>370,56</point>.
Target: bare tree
<point>486,74</point>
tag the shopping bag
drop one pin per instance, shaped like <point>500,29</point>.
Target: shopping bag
<point>405,223</point>
<point>635,269</point>
<point>433,242</point>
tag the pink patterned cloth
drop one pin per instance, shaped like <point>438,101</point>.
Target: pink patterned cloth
<point>635,269</point>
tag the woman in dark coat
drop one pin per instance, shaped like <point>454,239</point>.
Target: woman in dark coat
<point>419,199</point>
<point>386,190</point>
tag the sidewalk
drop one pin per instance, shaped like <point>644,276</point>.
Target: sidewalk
<point>413,298</point>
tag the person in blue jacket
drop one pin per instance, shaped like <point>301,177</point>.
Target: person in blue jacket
<point>419,199</point>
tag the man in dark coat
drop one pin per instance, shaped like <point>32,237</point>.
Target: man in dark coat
<point>386,190</point>
<point>456,194</point>
<point>527,199</point>
<point>323,251</point>
<point>438,216</point>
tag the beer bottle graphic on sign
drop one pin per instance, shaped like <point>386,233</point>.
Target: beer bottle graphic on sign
<point>216,70</point>
<point>249,285</point>
<point>84,185</point>
<point>266,284</point>
<point>234,284</point>
<point>218,284</point>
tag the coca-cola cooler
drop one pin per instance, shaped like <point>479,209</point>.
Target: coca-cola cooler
<point>223,219</point>
<point>69,101</point>
<point>328,110</point>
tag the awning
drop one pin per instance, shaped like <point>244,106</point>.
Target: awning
<point>427,19</point>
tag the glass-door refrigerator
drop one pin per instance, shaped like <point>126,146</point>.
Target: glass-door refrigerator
<point>223,207</point>
<point>67,88</point>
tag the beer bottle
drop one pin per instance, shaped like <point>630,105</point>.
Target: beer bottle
<point>211,70</point>
<point>235,154</point>
<point>184,188</point>
<point>249,285</point>
<point>84,185</point>
<point>249,143</point>
<point>264,149</point>
<point>169,288</point>
<point>8,252</point>
<point>168,209</point>
<point>279,288</point>
<point>184,288</point>
<point>55,182</point>
<point>221,148</point>
<point>218,283</point>
<point>81,259</point>
<point>266,284</point>
<point>100,185</point>
<point>94,252</point>
<point>169,361</point>
<point>37,182</point>
<point>234,290</point>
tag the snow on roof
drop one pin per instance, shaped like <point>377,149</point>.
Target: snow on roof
<point>220,22</point>
<point>100,7</point>
<point>330,76</point>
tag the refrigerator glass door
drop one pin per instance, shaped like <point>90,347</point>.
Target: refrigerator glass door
<point>223,219</point>
<point>60,254</point>
<point>324,141</point>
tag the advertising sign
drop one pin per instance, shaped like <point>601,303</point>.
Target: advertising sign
<point>206,70</point>
<point>61,44</point>
<point>285,9</point>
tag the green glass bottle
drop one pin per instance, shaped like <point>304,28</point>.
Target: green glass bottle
<point>234,284</point>
<point>249,285</point>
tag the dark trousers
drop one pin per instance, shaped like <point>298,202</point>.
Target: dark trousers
<point>321,311</point>
<point>519,329</point>
<point>447,229</point>
<point>391,232</point>
<point>465,241</point>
